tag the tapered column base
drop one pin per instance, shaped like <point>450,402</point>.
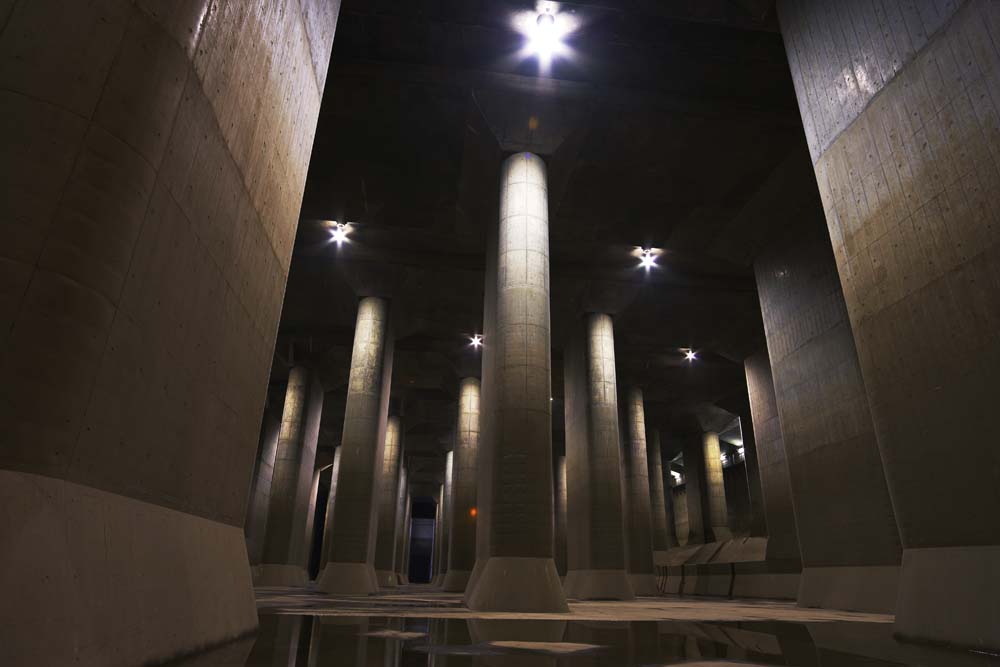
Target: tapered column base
<point>386,579</point>
<point>598,585</point>
<point>456,581</point>
<point>347,579</point>
<point>644,584</point>
<point>510,583</point>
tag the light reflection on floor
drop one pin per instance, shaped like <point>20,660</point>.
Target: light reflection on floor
<point>303,629</point>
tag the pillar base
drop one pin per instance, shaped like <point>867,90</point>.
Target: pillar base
<point>456,581</point>
<point>769,579</point>
<point>402,580</point>
<point>477,571</point>
<point>386,579</point>
<point>644,584</point>
<point>276,574</point>
<point>511,583</point>
<point>862,588</point>
<point>347,579</point>
<point>598,585</point>
<point>948,595</point>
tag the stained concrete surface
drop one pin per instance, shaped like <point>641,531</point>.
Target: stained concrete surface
<point>907,167</point>
<point>146,238</point>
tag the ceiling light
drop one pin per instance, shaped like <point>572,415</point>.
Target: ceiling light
<point>690,355</point>
<point>647,259</point>
<point>477,341</point>
<point>544,38</point>
<point>338,232</point>
<point>544,30</point>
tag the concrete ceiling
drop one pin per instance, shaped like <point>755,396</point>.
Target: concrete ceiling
<point>673,126</point>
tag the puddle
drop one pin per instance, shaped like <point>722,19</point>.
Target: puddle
<point>371,641</point>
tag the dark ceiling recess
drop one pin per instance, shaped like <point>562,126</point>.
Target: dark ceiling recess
<point>663,130</point>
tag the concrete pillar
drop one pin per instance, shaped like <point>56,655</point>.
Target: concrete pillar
<point>778,577</point>
<point>462,547</point>
<point>438,531</point>
<point>407,538</point>
<point>847,531</point>
<point>446,504</point>
<point>699,530</point>
<point>668,507</point>
<point>905,158</point>
<point>403,541</point>
<point>519,573</point>
<point>638,523</point>
<point>284,561</point>
<point>145,251</point>
<point>751,460</point>
<point>717,518</point>
<point>657,499</point>
<point>561,518</point>
<point>388,500</point>
<point>596,550</point>
<point>352,542</point>
<point>402,508</point>
<point>331,501</point>
<point>309,534</point>
<point>260,490</point>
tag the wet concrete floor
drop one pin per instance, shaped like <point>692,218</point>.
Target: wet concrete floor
<point>415,626</point>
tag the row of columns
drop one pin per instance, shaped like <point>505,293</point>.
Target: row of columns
<point>510,530</point>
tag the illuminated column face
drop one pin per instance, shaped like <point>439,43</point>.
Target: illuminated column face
<point>401,507</point>
<point>715,487</point>
<point>561,507</point>
<point>596,549</point>
<point>662,532</point>
<point>387,501</point>
<point>446,503</point>
<point>331,501</point>
<point>462,525</point>
<point>638,522</point>
<point>284,559</point>
<point>521,506</point>
<point>350,568</point>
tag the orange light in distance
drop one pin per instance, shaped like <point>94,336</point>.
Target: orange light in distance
<point>473,512</point>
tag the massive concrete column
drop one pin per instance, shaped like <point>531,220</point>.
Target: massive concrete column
<point>331,501</point>
<point>145,244</point>
<point>638,523</point>
<point>284,561</point>
<point>260,490</point>
<point>596,550</point>
<point>388,500</point>
<point>668,507</point>
<point>352,540</point>
<point>779,575</point>
<point>847,533</point>
<point>402,512</point>
<point>906,159</point>
<point>438,541</point>
<point>699,530</point>
<point>519,573</point>
<point>561,503</point>
<point>446,504</point>
<point>657,499</point>
<point>403,536</point>
<point>715,487</point>
<point>462,547</point>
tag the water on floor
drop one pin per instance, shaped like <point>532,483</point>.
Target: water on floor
<point>299,640</point>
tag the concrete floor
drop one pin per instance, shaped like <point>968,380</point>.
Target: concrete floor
<point>418,625</point>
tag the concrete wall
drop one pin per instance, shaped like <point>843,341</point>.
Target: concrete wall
<point>152,171</point>
<point>847,533</point>
<point>906,156</point>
